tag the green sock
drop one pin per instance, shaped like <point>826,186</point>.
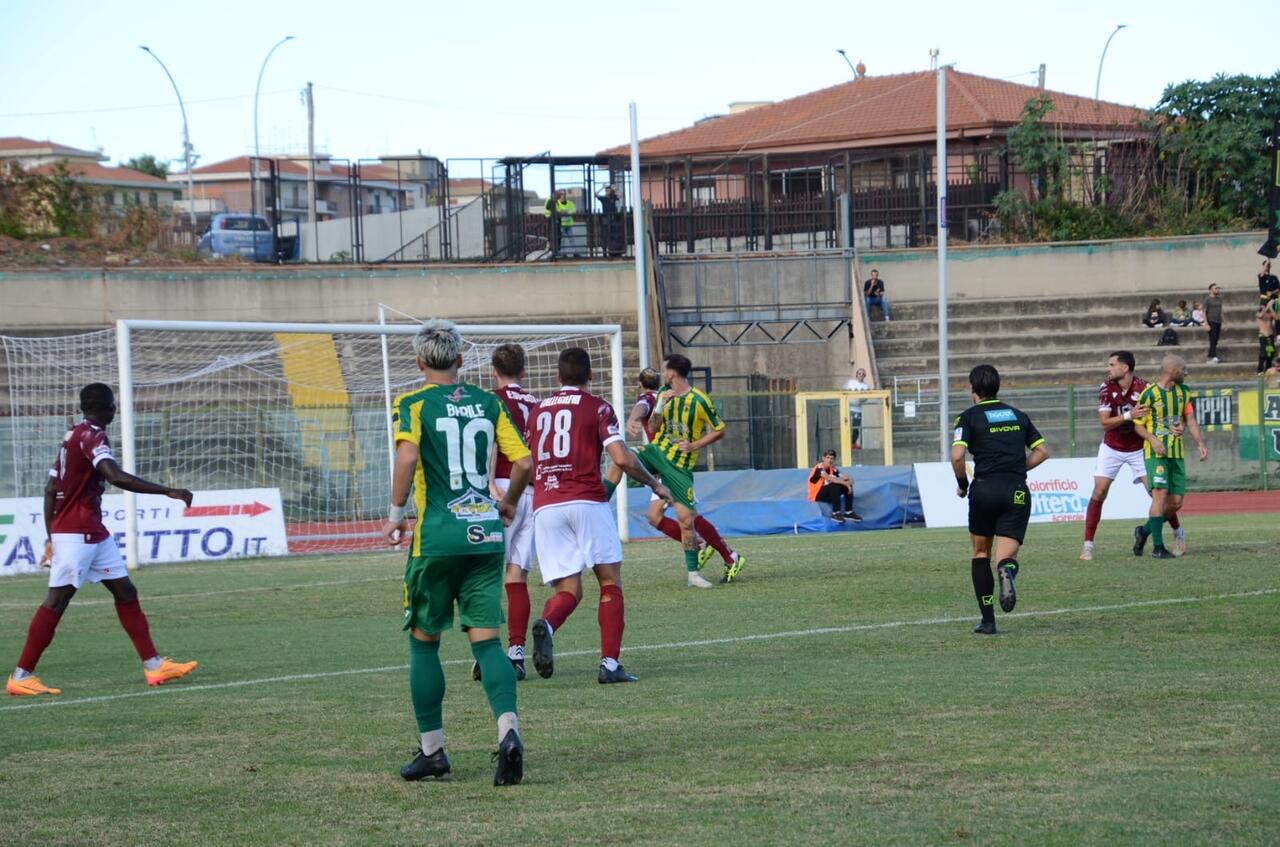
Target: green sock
<point>691,560</point>
<point>496,673</point>
<point>426,684</point>
<point>609,489</point>
<point>1155,526</point>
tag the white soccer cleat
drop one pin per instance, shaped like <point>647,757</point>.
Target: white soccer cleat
<point>1086,552</point>
<point>1179,546</point>
<point>696,580</point>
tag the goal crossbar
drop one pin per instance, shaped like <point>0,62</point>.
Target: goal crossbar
<point>128,432</point>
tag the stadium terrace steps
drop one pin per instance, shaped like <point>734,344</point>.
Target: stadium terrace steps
<point>1057,340</point>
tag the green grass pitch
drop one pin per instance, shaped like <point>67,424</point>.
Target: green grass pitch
<point>834,695</point>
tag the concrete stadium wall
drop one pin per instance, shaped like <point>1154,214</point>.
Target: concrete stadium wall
<point>48,301</point>
<point>1147,265</point>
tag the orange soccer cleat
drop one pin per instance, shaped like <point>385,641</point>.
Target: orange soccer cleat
<point>168,671</point>
<point>28,687</point>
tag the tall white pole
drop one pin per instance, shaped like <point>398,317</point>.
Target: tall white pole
<point>386,390</point>
<point>311,176</point>
<point>944,375</point>
<point>186,138</point>
<point>256,90</point>
<point>619,408</point>
<point>641,257</point>
<point>128,440</point>
<point>1097,84</point>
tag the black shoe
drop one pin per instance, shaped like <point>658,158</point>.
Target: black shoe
<point>475,671</point>
<point>510,758</point>
<point>985,628</point>
<point>423,766</point>
<point>853,516</point>
<point>838,517</point>
<point>1140,536</point>
<point>518,664</point>
<point>543,658</point>
<point>1008,595</point>
<point>617,675</point>
<point>1161,553</point>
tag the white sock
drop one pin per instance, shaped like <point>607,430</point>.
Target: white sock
<point>516,652</point>
<point>609,664</point>
<point>432,741</point>
<point>507,721</point>
<point>19,673</point>
<point>1180,533</point>
<point>153,663</point>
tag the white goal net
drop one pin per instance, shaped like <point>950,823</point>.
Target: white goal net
<point>302,408</point>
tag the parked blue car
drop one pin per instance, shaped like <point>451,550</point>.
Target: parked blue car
<point>238,235</point>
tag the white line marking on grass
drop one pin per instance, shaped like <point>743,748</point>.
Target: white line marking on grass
<point>45,702</point>
<point>218,592</point>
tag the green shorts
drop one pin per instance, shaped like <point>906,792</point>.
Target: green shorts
<point>433,583</point>
<point>1167,474</point>
<point>677,480</point>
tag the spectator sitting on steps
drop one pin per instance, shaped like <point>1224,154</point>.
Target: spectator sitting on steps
<point>828,485</point>
<point>873,288</point>
<point>1154,316</point>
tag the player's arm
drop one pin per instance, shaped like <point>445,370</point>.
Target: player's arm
<point>1140,427</point>
<point>959,445</point>
<point>50,506</point>
<point>118,477</point>
<point>1035,443</point>
<point>396,525</point>
<point>626,461</point>
<point>640,414</point>
<point>514,449</point>
<point>660,404</point>
<point>1189,415</point>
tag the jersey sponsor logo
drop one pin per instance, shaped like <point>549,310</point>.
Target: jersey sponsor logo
<point>456,396</point>
<point>1000,416</point>
<point>959,434</point>
<point>476,535</point>
<point>473,507</point>
<point>551,482</point>
<point>1011,428</point>
<point>1019,498</point>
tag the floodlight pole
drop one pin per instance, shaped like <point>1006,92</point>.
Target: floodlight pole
<point>944,375</point>
<point>186,138</point>
<point>1097,85</point>
<point>256,90</point>
<point>641,256</point>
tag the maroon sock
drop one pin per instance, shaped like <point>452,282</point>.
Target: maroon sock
<point>39,636</point>
<point>517,612</point>
<point>558,608</point>
<point>611,620</point>
<point>712,536</point>
<point>1091,517</point>
<point>135,623</point>
<point>1173,521</point>
<point>670,529</point>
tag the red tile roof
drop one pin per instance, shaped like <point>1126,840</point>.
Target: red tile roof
<point>879,110</point>
<point>17,143</point>
<point>238,168</point>
<point>103,175</point>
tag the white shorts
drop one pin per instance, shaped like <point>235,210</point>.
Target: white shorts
<point>520,548</point>
<point>75,560</point>
<point>1110,461</point>
<point>572,537</point>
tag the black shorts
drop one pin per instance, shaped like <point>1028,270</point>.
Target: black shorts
<point>999,507</point>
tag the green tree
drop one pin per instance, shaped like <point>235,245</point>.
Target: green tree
<point>68,206</point>
<point>148,164</point>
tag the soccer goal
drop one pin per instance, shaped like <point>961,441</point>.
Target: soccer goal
<point>302,408</point>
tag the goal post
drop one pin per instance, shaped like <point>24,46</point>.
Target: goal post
<point>321,377</point>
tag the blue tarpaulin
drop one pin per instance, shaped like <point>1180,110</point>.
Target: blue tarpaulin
<point>775,502</point>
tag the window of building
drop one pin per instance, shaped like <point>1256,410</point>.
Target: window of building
<point>704,191</point>
<point>153,200</point>
<point>796,183</point>
<point>108,199</point>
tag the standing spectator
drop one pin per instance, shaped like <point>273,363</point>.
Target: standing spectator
<point>560,209</point>
<point>1155,316</point>
<point>1266,333</point>
<point>1268,285</point>
<point>828,485</point>
<point>873,288</point>
<point>1213,317</point>
<point>858,382</point>
<point>611,221</point>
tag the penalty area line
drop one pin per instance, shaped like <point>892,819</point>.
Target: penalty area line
<point>49,702</point>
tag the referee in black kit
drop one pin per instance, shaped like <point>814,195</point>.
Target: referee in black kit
<point>999,437</point>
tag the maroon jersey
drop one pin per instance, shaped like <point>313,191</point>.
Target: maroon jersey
<point>78,509</point>
<point>568,432</point>
<point>1115,401</point>
<point>520,406</point>
<point>647,399</point>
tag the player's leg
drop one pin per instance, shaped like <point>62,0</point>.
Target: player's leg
<point>984,583</point>
<point>1093,514</point>
<point>429,594</point>
<point>658,519</point>
<point>1173,504</point>
<point>157,670</point>
<point>561,559</point>
<point>515,584</point>
<point>612,618</point>
<point>1158,480</point>
<point>480,612</point>
<point>23,682</point>
<point>1010,529</point>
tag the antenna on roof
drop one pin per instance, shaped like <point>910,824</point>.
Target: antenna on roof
<point>933,58</point>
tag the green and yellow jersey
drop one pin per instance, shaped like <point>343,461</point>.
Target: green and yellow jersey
<point>455,428</point>
<point>1165,406</point>
<point>686,417</point>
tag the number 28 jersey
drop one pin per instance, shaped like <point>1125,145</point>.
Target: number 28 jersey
<point>568,433</point>
<point>454,428</point>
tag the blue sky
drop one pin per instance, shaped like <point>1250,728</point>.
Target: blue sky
<point>505,78</point>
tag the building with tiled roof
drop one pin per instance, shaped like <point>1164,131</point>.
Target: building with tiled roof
<point>118,187</point>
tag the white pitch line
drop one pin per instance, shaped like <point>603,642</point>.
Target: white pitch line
<point>220,591</point>
<point>46,702</point>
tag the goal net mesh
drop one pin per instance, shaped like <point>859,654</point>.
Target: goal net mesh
<point>302,412</point>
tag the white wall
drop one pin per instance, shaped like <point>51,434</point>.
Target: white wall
<point>385,233</point>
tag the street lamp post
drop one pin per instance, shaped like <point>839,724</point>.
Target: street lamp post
<point>186,138</point>
<point>256,89</point>
<point>845,56</point>
<point>1097,86</point>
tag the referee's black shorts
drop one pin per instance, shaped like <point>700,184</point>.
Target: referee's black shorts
<point>999,507</point>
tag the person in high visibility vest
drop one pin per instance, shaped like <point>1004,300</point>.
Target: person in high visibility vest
<point>561,210</point>
<point>828,485</point>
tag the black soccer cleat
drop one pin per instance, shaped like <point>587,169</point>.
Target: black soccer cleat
<point>518,664</point>
<point>423,766</point>
<point>853,516</point>
<point>1140,536</point>
<point>510,758</point>
<point>985,628</point>
<point>544,661</point>
<point>608,677</point>
<point>1161,553</point>
<point>475,671</point>
<point>1008,595</point>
